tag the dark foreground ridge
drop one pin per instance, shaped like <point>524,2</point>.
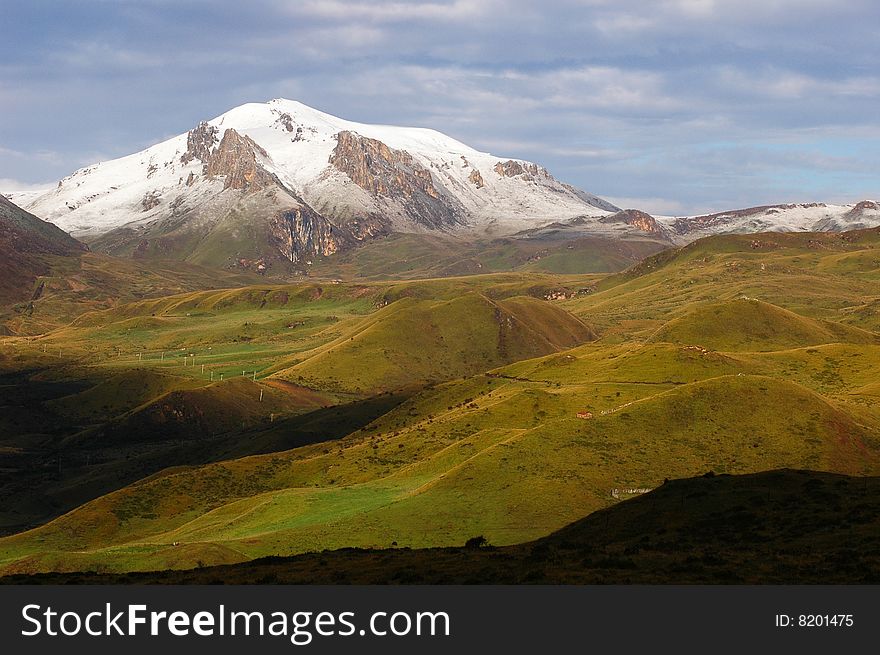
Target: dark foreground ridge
<point>775,527</point>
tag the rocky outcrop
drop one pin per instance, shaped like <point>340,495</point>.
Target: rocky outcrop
<point>235,159</point>
<point>366,227</point>
<point>199,143</point>
<point>300,232</point>
<point>511,168</point>
<point>476,179</point>
<point>637,219</point>
<point>150,200</point>
<point>386,172</point>
<point>860,208</point>
<point>286,121</point>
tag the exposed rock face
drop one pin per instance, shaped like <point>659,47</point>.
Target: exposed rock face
<point>476,179</point>
<point>286,120</point>
<point>199,143</point>
<point>512,168</point>
<point>366,227</point>
<point>860,208</point>
<point>299,232</point>
<point>150,200</point>
<point>385,172</point>
<point>637,219</point>
<point>235,159</point>
<point>210,195</point>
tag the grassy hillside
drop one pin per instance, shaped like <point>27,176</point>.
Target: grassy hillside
<point>748,324</point>
<point>778,527</point>
<point>735,354</point>
<point>123,392</point>
<point>491,455</point>
<point>64,443</point>
<point>829,276</point>
<point>72,286</point>
<point>413,341</point>
<point>413,256</point>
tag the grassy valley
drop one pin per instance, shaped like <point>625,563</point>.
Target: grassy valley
<point>505,405</point>
<point>122,393</point>
<point>419,256</point>
<point>776,527</point>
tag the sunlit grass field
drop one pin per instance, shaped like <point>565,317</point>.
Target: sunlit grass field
<point>735,354</point>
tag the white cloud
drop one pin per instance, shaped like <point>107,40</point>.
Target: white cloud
<point>8,185</point>
<point>391,12</point>
<point>786,84</point>
<point>102,56</point>
<point>696,8</point>
<point>618,96</point>
<point>614,25</point>
<point>653,206</point>
<point>43,156</point>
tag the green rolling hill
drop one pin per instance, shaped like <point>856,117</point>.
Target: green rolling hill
<point>417,341</point>
<point>775,527</point>
<point>179,380</point>
<point>736,354</point>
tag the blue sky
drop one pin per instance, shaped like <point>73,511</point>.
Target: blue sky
<point>672,106</point>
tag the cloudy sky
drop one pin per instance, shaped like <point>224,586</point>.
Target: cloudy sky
<point>672,106</point>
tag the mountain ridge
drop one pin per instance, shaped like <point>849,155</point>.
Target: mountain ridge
<point>304,183</point>
<point>269,187</point>
<point>27,244</point>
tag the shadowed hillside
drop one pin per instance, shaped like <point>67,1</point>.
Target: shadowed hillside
<point>778,527</point>
<point>487,456</point>
<point>735,354</point>
<point>28,249</point>
<point>174,381</point>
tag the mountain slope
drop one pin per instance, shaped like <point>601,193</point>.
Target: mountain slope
<point>27,245</point>
<point>269,183</point>
<point>830,276</point>
<point>775,527</point>
<point>803,217</point>
<point>494,454</point>
<point>416,341</point>
<point>752,325</point>
<point>491,458</point>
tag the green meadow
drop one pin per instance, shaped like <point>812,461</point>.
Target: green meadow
<point>420,413</point>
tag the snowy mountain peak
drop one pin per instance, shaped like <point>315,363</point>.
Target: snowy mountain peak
<point>788,217</point>
<point>281,179</point>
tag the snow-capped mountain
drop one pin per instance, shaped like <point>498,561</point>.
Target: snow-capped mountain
<point>804,217</point>
<point>281,181</point>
